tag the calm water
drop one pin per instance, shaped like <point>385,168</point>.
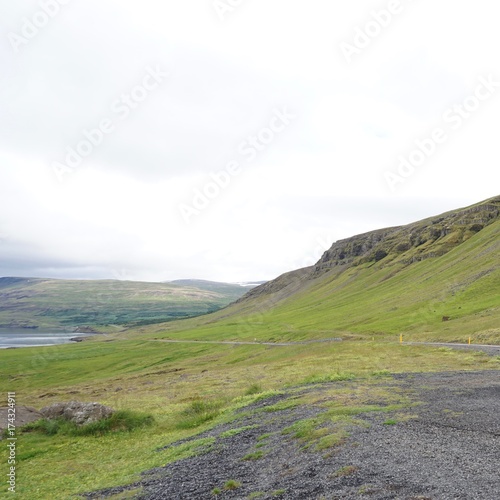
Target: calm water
<point>34,338</point>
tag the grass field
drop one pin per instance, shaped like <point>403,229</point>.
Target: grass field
<point>186,387</point>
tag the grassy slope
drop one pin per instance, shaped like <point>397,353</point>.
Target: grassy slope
<point>67,303</point>
<point>464,284</point>
<point>369,305</point>
<point>374,299</point>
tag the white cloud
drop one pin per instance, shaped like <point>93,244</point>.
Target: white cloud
<point>319,180</point>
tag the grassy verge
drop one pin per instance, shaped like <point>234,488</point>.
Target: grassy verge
<point>186,388</point>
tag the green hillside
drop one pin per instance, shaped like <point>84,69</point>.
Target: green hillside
<point>435,279</point>
<point>47,303</point>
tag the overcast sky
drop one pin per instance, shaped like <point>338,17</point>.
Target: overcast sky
<point>235,140</point>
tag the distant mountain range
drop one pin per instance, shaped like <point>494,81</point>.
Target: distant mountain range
<point>215,286</point>
<point>89,304</point>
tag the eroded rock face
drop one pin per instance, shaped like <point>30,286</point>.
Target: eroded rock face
<point>77,412</point>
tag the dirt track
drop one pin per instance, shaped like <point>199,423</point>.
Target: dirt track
<point>450,449</point>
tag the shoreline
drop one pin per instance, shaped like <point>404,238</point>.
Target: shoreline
<point>18,339</point>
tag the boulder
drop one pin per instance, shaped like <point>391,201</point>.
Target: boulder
<point>77,412</point>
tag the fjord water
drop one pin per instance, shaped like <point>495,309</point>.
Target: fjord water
<point>30,338</point>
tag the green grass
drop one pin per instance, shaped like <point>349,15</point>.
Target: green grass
<point>348,470</point>
<point>198,413</point>
<point>330,428</point>
<point>315,435</point>
<point>235,432</point>
<point>264,437</point>
<point>254,455</point>
<point>231,485</point>
<point>253,389</point>
<point>277,493</point>
<point>288,404</point>
<point>329,377</point>
<point>391,421</point>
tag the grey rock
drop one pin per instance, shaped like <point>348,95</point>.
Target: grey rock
<point>77,412</point>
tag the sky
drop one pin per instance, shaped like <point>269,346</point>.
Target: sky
<point>234,140</point>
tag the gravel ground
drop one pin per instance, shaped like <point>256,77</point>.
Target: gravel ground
<point>448,448</point>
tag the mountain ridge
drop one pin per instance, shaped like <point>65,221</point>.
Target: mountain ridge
<point>428,238</point>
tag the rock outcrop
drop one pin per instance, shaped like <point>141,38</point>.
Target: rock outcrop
<point>77,412</point>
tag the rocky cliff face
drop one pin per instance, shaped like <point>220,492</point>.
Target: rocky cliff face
<point>418,241</point>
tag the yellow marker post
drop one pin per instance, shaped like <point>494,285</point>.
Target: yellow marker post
<point>401,338</point>
<point>469,340</point>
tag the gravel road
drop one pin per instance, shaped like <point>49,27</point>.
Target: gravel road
<point>492,350</point>
<point>448,448</point>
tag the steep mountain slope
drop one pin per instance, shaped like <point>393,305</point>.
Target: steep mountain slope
<point>402,245</point>
<point>436,278</point>
<point>35,302</point>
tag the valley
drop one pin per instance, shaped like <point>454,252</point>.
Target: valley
<point>103,305</point>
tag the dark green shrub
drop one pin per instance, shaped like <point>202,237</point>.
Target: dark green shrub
<point>120,421</point>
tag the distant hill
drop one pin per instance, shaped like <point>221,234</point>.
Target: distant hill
<point>232,290</point>
<point>49,303</point>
